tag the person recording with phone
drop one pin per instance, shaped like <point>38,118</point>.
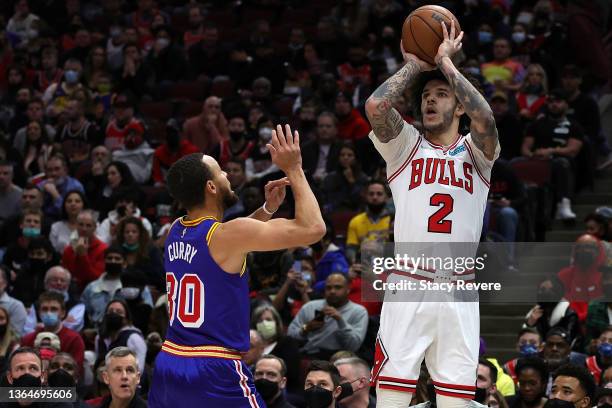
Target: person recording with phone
<point>297,288</point>
<point>126,205</point>
<point>334,323</point>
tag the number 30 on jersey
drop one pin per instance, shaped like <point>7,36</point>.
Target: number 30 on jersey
<point>185,299</point>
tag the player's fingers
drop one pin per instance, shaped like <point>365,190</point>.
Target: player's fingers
<point>296,138</point>
<point>452,30</point>
<point>459,37</point>
<point>289,135</point>
<point>444,32</point>
<point>280,135</point>
<point>271,149</point>
<point>274,139</point>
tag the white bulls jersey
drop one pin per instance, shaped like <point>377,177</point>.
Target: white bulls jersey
<point>440,193</point>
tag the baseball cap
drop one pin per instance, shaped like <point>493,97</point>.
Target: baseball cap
<point>558,331</point>
<point>499,95</point>
<point>558,93</point>
<point>135,127</point>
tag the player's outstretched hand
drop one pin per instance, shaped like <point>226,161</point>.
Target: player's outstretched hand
<point>285,149</point>
<point>450,45</point>
<point>275,191</point>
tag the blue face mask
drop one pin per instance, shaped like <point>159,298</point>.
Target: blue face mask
<point>528,349</point>
<point>605,349</point>
<point>31,232</point>
<point>485,37</point>
<point>49,319</point>
<point>72,76</point>
<point>472,70</point>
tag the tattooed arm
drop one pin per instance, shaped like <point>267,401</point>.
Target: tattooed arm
<point>386,122</point>
<point>482,128</point>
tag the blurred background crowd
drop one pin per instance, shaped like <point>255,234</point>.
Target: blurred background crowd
<point>99,98</point>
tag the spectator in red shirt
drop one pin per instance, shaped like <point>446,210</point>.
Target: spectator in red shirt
<point>52,311</point>
<point>532,96</point>
<point>173,149</point>
<point>208,128</point>
<point>351,124</point>
<point>84,258</point>
<point>121,122</point>
<point>357,70</point>
<point>195,33</point>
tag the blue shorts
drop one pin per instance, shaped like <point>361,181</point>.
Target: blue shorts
<point>181,382</point>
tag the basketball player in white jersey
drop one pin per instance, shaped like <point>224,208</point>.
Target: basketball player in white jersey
<point>440,182</point>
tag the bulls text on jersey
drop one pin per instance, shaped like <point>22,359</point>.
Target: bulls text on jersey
<point>442,171</point>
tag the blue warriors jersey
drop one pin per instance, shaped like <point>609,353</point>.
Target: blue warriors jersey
<point>207,306</point>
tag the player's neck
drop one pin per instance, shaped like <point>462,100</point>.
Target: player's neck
<point>206,211</point>
<point>445,138</point>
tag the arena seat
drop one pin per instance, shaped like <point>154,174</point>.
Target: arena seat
<point>189,90</point>
<point>340,221</point>
<point>222,87</point>
<point>158,110</point>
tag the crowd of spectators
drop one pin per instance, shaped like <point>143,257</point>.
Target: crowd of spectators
<point>98,99</point>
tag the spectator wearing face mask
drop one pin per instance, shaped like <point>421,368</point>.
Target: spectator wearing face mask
<point>63,372</point>
<point>271,381</point>
<point>238,146</point>
<point>117,330</point>
<point>17,252</point>
<point>170,151</point>
<point>602,359</point>
<point>25,369</point>
<point>322,385</point>
<point>354,373</point>
<point>166,58</point>
<point>137,296</point>
<point>529,344</point>
<point>57,94</point>
<point>125,204</point>
<point>532,376</point>
<point>52,310</point>
<point>29,282</point>
<point>136,154</point>
<point>259,163</point>
<point>573,387</point>
<point>531,98</point>
<point>267,322</point>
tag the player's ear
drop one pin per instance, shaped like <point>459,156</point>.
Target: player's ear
<point>459,109</point>
<point>210,187</point>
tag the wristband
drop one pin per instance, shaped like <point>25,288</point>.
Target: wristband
<point>266,210</point>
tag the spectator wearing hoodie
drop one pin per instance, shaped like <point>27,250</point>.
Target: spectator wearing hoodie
<point>173,149</point>
<point>136,153</point>
<point>351,124</point>
<point>329,259</point>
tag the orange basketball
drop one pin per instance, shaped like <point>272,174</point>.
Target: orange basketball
<point>422,33</point>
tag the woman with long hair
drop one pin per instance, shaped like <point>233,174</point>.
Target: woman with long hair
<point>96,66</point>
<point>117,330</point>
<point>532,96</point>
<point>343,187</point>
<point>117,175</point>
<point>64,230</point>
<point>38,148</point>
<point>9,340</point>
<point>267,321</point>
<point>141,253</point>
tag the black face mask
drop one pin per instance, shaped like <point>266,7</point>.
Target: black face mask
<point>3,329</point>
<point>557,403</point>
<point>347,391</point>
<point>481,395</point>
<point>584,259</point>
<point>37,265</point>
<point>113,322</point>
<point>114,269</point>
<point>318,397</point>
<point>61,379</point>
<point>266,388</point>
<point>173,139</point>
<point>27,380</point>
<point>236,136</point>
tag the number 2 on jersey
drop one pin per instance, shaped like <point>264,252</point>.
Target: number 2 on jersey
<point>436,222</point>
<point>185,299</point>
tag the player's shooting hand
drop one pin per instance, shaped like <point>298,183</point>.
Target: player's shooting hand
<point>285,149</point>
<point>275,192</point>
<point>450,45</point>
<point>332,312</point>
<point>411,57</point>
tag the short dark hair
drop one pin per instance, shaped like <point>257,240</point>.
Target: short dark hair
<point>187,180</point>
<point>535,363</point>
<point>283,369</point>
<point>326,366</point>
<point>80,194</point>
<point>24,350</point>
<point>114,249</point>
<point>416,92</point>
<point>529,330</point>
<point>50,296</point>
<point>491,367</point>
<point>40,242</point>
<point>580,373</point>
<point>239,162</point>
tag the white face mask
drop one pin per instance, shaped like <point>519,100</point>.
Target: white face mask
<point>267,329</point>
<point>519,37</point>
<point>162,42</point>
<point>129,293</point>
<point>265,134</point>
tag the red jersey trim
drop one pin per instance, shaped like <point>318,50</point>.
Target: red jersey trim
<point>405,164</point>
<point>484,180</point>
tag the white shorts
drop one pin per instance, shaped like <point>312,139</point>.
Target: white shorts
<point>446,334</point>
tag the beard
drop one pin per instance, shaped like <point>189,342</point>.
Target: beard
<point>228,199</point>
<point>447,120</point>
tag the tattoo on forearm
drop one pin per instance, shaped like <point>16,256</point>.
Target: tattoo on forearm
<point>386,121</point>
<point>483,129</point>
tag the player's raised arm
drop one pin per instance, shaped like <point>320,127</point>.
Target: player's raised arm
<point>386,122</point>
<point>244,235</point>
<point>482,128</point>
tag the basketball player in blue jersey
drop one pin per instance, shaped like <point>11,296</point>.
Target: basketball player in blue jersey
<point>200,363</point>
